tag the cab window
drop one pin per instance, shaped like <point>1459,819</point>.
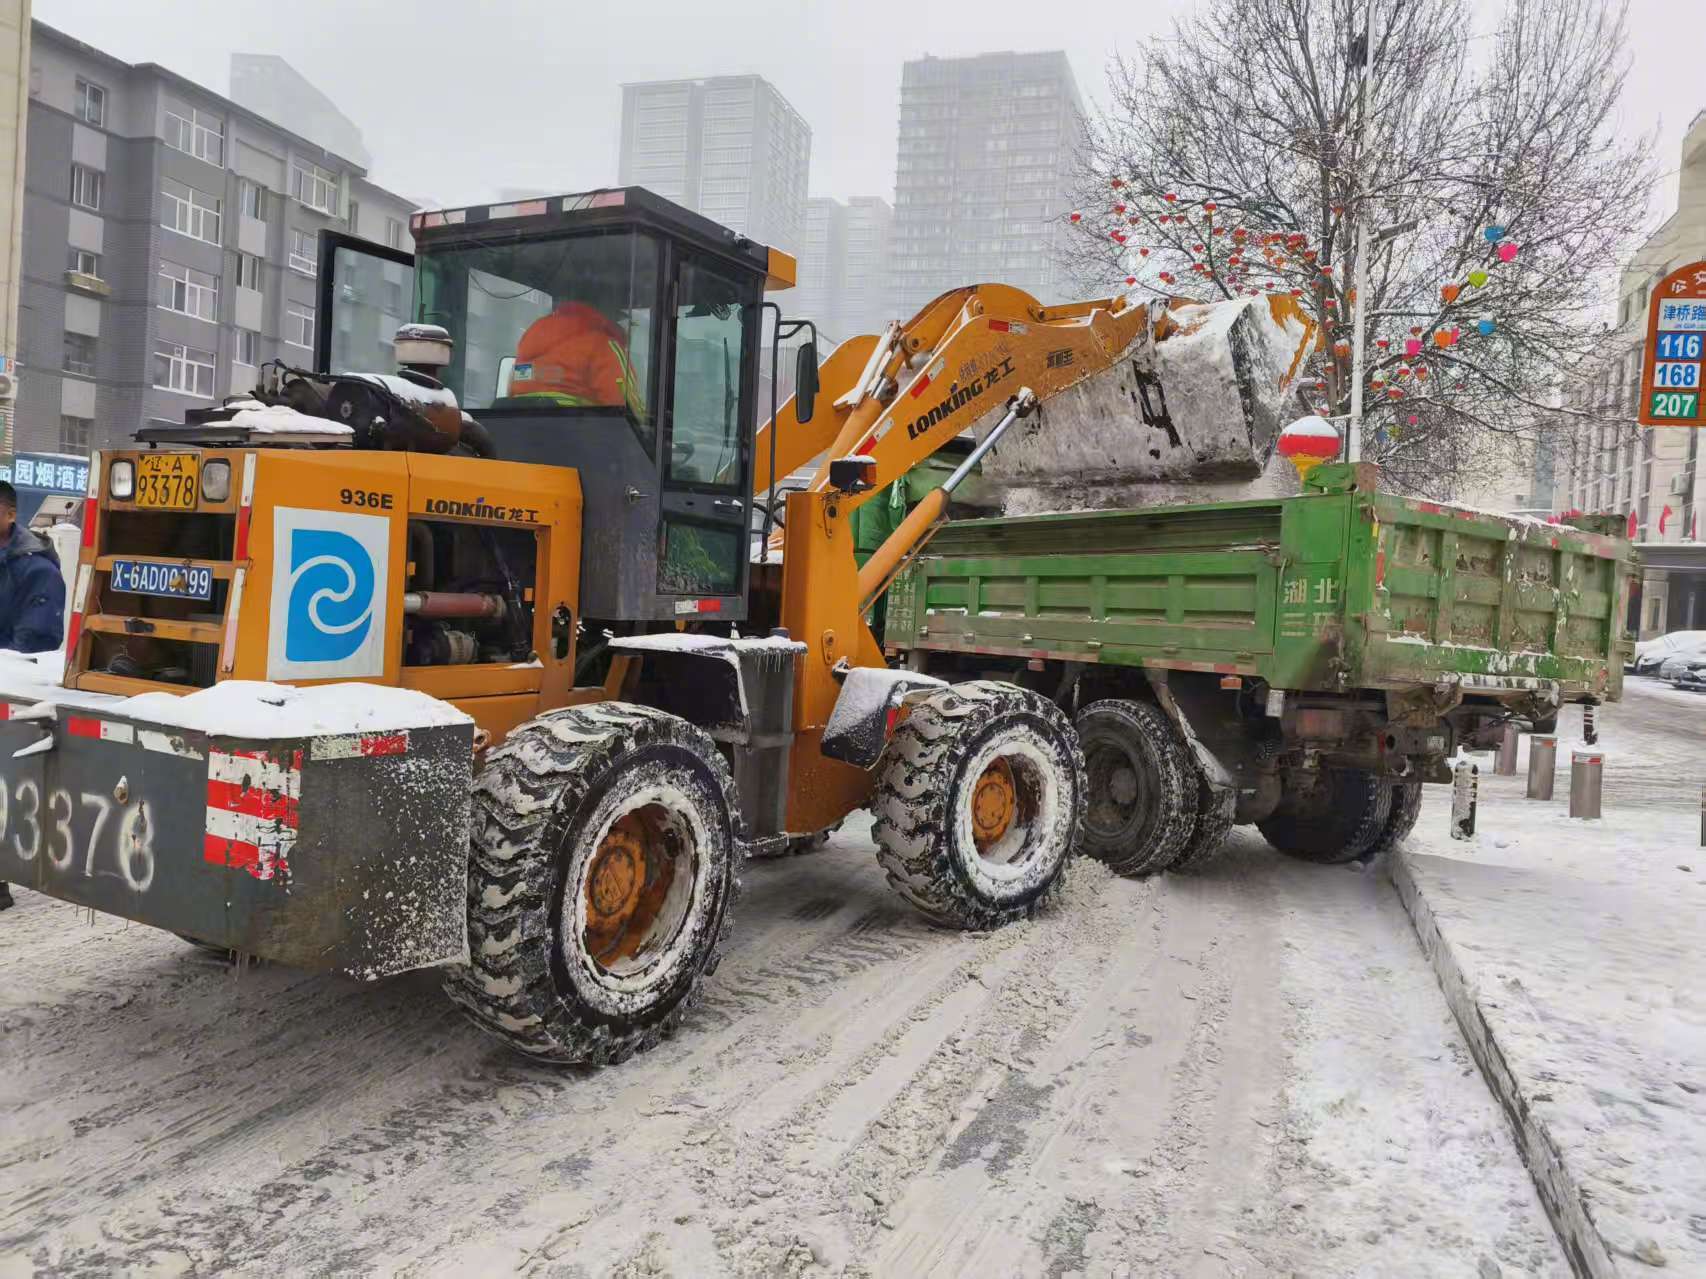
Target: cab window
<point>548,323</point>
<point>712,330</point>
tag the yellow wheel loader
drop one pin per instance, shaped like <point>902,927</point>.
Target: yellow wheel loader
<point>467,647</point>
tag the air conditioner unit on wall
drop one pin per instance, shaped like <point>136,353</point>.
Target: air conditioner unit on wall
<point>8,387</point>
<point>1682,483</point>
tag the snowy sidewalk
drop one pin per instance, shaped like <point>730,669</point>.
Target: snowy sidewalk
<point>1572,956</point>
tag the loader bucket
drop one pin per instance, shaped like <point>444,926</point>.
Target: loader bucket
<point>1198,398</point>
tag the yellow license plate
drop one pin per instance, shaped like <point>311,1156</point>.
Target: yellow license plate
<point>167,481</point>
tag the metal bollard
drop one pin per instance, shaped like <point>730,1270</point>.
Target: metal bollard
<point>1590,724</point>
<point>1587,772</point>
<point>1465,783</point>
<point>1542,766</point>
<point>1504,765</point>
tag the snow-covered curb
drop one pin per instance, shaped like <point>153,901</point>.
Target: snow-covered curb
<point>1559,1191</point>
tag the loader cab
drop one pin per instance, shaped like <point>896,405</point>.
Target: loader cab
<point>613,332</point>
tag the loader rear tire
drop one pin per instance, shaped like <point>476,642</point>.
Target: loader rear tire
<point>603,867</point>
<point>1142,802</point>
<point>979,798</point>
<point>1341,824</point>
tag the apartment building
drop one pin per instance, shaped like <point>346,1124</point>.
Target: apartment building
<point>169,245</point>
<point>982,173</point>
<point>1655,473</point>
<point>844,267</point>
<point>729,147</point>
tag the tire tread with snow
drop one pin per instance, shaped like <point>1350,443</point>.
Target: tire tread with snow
<point>1401,820</point>
<point>923,826</point>
<point>541,803</point>
<point>1215,813</point>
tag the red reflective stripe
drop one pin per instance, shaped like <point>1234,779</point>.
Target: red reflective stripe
<point>710,606</point>
<point>888,724</point>
<point>253,801</point>
<point>5,710</point>
<point>73,633</point>
<point>1000,326</point>
<point>242,551</point>
<point>83,726</point>
<point>91,509</point>
<point>385,744</point>
<point>919,385</point>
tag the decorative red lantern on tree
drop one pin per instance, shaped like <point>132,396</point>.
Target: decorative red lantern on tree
<point>1308,442</point>
<point>1076,217</point>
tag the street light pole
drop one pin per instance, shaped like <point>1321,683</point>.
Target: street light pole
<point>1353,435</point>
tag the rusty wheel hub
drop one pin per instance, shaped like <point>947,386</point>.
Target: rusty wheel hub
<point>994,803</point>
<point>626,885</point>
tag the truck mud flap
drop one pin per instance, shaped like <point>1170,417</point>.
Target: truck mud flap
<point>340,853</point>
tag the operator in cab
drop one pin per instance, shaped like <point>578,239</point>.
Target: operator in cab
<point>32,594</point>
<point>574,355</point>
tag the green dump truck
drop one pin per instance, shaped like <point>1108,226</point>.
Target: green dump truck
<point>1303,664</point>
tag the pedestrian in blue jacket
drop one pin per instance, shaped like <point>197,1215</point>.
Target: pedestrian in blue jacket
<point>32,594</point>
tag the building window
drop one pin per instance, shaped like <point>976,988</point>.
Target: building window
<point>86,186</point>
<point>304,252</point>
<point>189,212</point>
<point>394,232</point>
<point>90,104</point>
<point>299,325</point>
<point>85,263</point>
<point>199,134</point>
<point>252,200</point>
<point>248,272</point>
<point>74,434</point>
<point>248,347</point>
<point>188,291</point>
<point>354,217</point>
<point>183,369</point>
<point>80,354</point>
<point>314,187</point>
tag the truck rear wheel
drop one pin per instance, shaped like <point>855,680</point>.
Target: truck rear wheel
<point>1338,823</point>
<point>1215,811</point>
<point>979,798</point>
<point>1142,799</point>
<point>602,870</point>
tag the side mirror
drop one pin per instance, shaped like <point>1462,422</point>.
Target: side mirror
<point>805,383</point>
<point>506,371</point>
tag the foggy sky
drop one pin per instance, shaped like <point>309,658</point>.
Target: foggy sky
<point>475,95</point>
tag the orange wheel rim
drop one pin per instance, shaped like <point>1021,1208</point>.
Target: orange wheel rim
<point>994,804</point>
<point>626,885</point>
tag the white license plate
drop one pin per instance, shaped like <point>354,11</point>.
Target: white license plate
<point>183,581</point>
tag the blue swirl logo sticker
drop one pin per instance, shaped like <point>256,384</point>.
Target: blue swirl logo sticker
<point>328,594</point>
<point>331,596</point>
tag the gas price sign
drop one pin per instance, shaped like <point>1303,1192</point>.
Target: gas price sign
<point>1671,370</point>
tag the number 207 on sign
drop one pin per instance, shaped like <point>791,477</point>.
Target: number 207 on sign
<point>1675,404</point>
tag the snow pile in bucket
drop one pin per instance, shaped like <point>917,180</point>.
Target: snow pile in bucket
<point>1201,406</point>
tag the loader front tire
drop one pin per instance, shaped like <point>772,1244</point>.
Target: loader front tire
<point>979,798</point>
<point>602,870</point>
<point>1338,822</point>
<point>1142,803</point>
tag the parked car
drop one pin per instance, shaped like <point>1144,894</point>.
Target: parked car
<point>1690,675</point>
<point>1677,663</point>
<point>1651,654</point>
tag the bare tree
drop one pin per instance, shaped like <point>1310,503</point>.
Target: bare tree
<point>1233,160</point>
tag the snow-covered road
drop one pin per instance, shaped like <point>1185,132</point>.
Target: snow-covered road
<point>1249,1070</point>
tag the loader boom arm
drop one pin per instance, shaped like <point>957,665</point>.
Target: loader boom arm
<point>900,395</point>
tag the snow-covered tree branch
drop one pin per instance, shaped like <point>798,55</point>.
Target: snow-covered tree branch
<point>1233,160</point>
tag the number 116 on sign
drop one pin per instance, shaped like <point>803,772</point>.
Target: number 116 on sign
<point>1680,346</point>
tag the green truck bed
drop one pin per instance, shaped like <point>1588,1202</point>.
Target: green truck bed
<point>1334,590</point>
